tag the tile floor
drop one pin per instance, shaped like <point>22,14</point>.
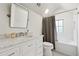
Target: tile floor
<point>56,53</point>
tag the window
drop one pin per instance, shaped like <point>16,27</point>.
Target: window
<point>60,25</point>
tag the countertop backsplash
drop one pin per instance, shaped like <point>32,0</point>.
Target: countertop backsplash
<point>14,35</point>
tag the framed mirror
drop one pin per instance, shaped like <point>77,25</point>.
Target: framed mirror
<point>19,16</point>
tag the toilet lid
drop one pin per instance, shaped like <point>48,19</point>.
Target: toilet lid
<point>47,44</point>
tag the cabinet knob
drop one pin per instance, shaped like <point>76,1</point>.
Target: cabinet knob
<point>30,45</point>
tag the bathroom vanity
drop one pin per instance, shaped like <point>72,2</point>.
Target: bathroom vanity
<point>22,46</point>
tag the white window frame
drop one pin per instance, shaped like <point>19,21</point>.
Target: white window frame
<point>58,26</point>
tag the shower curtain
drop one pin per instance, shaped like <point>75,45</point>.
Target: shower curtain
<point>49,30</point>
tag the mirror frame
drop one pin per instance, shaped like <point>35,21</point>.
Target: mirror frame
<point>11,16</point>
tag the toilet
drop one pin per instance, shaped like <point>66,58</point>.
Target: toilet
<point>47,47</point>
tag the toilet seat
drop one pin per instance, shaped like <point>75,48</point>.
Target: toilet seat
<point>48,45</point>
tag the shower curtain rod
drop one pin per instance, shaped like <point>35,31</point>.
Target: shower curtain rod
<point>65,11</point>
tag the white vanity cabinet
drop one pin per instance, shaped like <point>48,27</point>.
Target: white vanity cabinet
<point>28,50</point>
<point>39,46</point>
<point>27,47</point>
<point>33,48</point>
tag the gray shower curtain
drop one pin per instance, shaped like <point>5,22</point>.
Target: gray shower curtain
<point>49,30</point>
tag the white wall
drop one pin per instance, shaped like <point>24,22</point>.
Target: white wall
<point>78,33</point>
<point>35,21</point>
<point>68,26</point>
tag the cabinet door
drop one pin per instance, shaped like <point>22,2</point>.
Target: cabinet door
<point>28,49</point>
<point>39,51</point>
<point>10,52</point>
<point>39,47</point>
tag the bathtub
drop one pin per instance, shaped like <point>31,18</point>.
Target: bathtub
<point>67,47</point>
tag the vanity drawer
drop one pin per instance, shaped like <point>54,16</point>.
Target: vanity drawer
<point>10,52</point>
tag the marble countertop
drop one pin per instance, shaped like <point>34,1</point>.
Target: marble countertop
<point>5,43</point>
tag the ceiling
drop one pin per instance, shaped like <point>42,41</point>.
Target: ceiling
<point>53,7</point>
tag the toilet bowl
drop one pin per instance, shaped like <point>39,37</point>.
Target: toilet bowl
<point>47,46</point>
